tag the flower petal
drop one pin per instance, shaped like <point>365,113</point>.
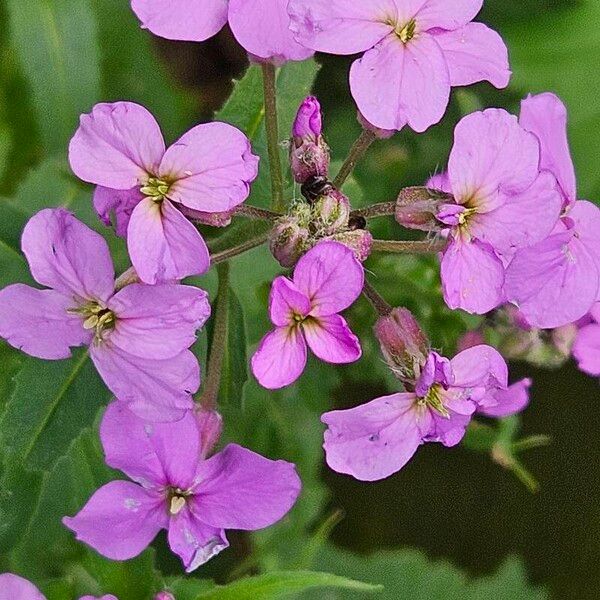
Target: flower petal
<point>117,146</point>
<point>156,390</point>
<point>13,587</point>
<point>286,301</point>
<point>479,366</point>
<point>375,440</point>
<point>163,244</point>
<point>114,207</point>
<point>181,19</point>
<point>37,322</point>
<point>68,256</point>
<point>444,14</point>
<point>120,520</point>
<point>158,321</point>
<point>341,26</point>
<point>211,167</point>
<point>280,358</point>
<point>586,217</point>
<point>331,339</point>
<point>586,350</point>
<point>472,277</point>
<point>395,84</point>
<point>475,53</point>
<point>240,489</point>
<point>194,541</point>
<point>331,276</point>
<point>504,403</point>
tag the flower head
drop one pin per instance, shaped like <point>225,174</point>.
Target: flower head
<point>13,587</point>
<point>414,53</point>
<point>327,280</point>
<point>195,499</point>
<point>138,336</point>
<point>119,147</point>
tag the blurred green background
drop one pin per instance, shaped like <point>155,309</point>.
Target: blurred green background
<point>58,58</point>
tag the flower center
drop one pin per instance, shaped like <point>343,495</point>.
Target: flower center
<point>96,317</point>
<point>407,32</point>
<point>434,400</point>
<point>176,500</point>
<point>155,188</point>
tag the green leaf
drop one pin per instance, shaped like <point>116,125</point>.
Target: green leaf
<point>57,47</point>
<point>188,588</point>
<point>281,584</point>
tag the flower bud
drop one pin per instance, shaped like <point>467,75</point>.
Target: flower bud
<point>308,123</point>
<point>360,241</point>
<point>417,208</point>
<point>331,212</point>
<point>288,241</point>
<point>164,596</point>
<point>403,344</point>
<point>381,134</point>
<point>220,219</point>
<point>210,424</point>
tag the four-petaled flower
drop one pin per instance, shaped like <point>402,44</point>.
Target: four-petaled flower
<point>138,336</point>
<point>327,280</point>
<point>177,488</point>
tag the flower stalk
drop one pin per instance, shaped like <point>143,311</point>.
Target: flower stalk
<point>220,257</point>
<point>408,247</point>
<point>378,302</point>
<point>358,150</point>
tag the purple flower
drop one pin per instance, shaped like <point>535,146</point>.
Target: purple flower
<point>504,403</point>
<point>138,336</point>
<point>13,587</point>
<point>327,280</point>
<point>120,148</point>
<point>501,203</point>
<point>556,281</point>
<point>586,350</point>
<point>414,53</point>
<point>177,489</point>
<point>377,439</point>
<point>260,26</point>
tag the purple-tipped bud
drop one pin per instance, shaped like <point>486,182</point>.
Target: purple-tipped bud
<point>288,241</point>
<point>403,344</point>
<point>417,208</point>
<point>164,596</point>
<point>309,153</point>
<point>331,212</point>
<point>360,241</point>
<point>210,424</point>
<point>382,134</point>
<point>220,219</point>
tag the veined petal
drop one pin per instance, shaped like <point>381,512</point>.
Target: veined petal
<point>286,301</point>
<point>586,217</point>
<point>117,146</point>
<point>114,207</point>
<point>480,366</point>
<point>331,339</point>
<point>504,403</point>
<point>443,14</point>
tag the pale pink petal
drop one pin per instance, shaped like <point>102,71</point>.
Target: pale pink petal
<point>331,276</point>
<point>331,339</point>
<point>504,403</point>
<point>523,219</point>
<point>120,520</point>
<point>546,117</point>
<point>491,152</point>
<point>480,366</point>
<point>37,322</point>
<point>163,244</point>
<point>239,489</point>
<point>341,26</point>
<point>586,350</point>
<point>158,321</point>
<point>13,587</point>
<point>262,27</point>
<point>114,207</point>
<point>442,13</point>
<point>440,182</point>
<point>68,256</point>
<point>156,390</point>
<point>553,283</point>
<point>475,53</point>
<point>181,19</point>
<point>280,358</point>
<point>117,146</point>
<point>586,217</point>
<point>211,167</point>
<point>286,302</point>
<point>472,277</point>
<point>375,440</point>
<point>194,541</point>
<point>395,84</point>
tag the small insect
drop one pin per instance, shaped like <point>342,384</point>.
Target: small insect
<point>357,222</point>
<point>315,186</point>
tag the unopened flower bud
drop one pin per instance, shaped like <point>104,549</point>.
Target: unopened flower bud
<point>309,153</point>
<point>220,219</point>
<point>382,134</point>
<point>210,424</point>
<point>331,212</point>
<point>164,596</point>
<point>417,208</point>
<point>403,344</point>
<point>288,241</point>
<point>360,241</point>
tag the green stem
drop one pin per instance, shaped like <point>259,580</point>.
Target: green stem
<point>379,304</point>
<point>382,209</point>
<point>272,127</point>
<point>225,255</point>
<point>357,151</point>
<point>395,247</point>
<point>254,212</point>
<point>210,393</point>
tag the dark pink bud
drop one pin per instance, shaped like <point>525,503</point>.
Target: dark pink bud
<point>220,219</point>
<point>288,241</point>
<point>360,241</point>
<point>210,424</point>
<point>164,596</point>
<point>309,122</point>
<point>382,134</point>
<point>330,212</point>
<point>403,344</point>
<point>418,207</point>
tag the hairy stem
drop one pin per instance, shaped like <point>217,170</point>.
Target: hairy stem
<point>395,247</point>
<point>210,394</point>
<point>254,212</point>
<point>357,151</point>
<point>225,255</point>
<point>382,209</point>
<point>272,127</point>
<point>379,304</point>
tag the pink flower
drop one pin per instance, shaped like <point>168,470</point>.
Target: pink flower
<point>375,440</point>
<point>414,52</point>
<point>179,490</point>
<point>586,350</point>
<point>501,203</point>
<point>138,337</point>
<point>120,148</point>
<point>556,281</point>
<point>260,26</point>
<point>327,280</point>
<point>13,587</point>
